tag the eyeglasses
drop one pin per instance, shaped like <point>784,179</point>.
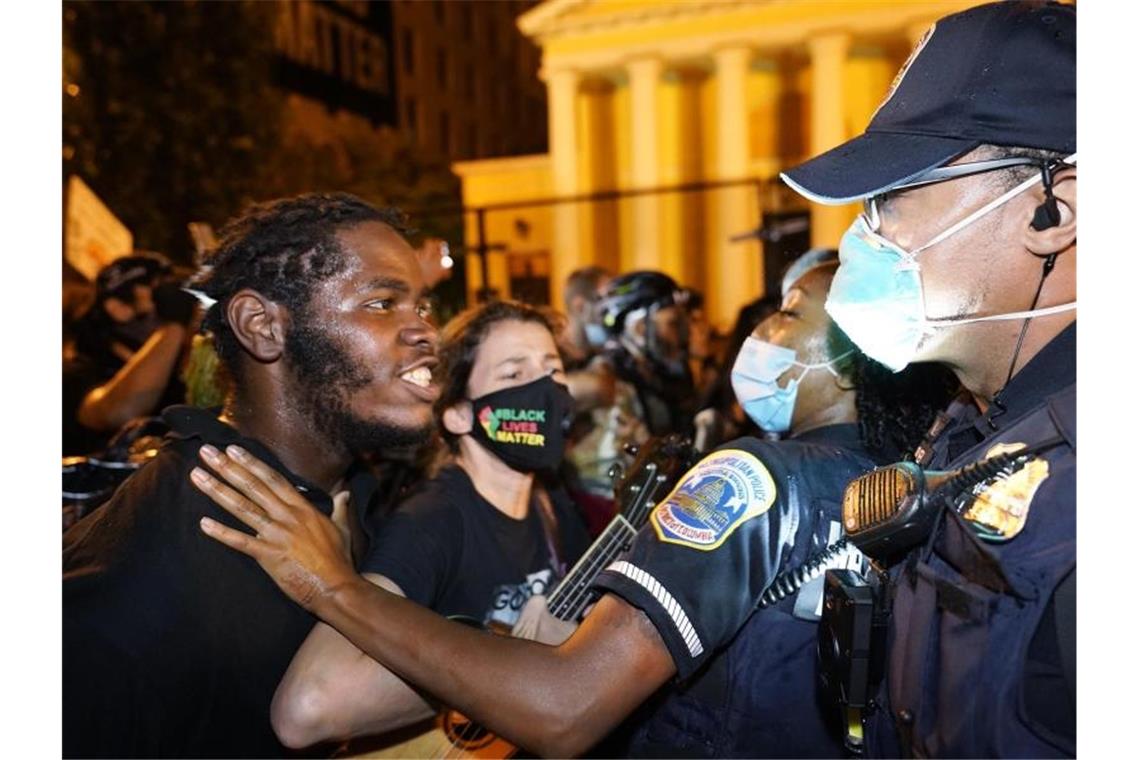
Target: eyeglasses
<point>945,173</point>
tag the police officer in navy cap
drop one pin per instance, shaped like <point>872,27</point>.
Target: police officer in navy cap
<point>965,254</point>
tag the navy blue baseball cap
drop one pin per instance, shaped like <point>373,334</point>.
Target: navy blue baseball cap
<point>1001,74</point>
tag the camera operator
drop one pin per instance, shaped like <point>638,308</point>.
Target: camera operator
<point>126,349</point>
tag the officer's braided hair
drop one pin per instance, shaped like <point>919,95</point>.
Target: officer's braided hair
<point>894,409</point>
<point>282,249</point>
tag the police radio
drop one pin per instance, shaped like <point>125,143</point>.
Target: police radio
<point>893,509</point>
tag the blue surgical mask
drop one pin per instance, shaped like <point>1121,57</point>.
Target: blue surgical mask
<point>757,368</point>
<point>876,297</point>
<point>596,335</point>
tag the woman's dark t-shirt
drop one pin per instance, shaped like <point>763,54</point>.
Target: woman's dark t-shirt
<point>452,551</point>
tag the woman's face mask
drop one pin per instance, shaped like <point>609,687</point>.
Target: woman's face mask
<point>754,381</point>
<point>524,426</point>
<point>877,298</point>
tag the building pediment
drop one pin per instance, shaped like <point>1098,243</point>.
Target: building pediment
<point>559,18</point>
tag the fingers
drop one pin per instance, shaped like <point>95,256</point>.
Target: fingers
<point>248,483</point>
<point>277,483</point>
<point>234,539</point>
<point>340,520</point>
<point>340,511</point>
<point>229,499</point>
<point>526,627</point>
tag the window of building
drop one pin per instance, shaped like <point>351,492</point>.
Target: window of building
<point>492,40</point>
<point>441,67</point>
<point>468,20</point>
<point>408,43</point>
<point>440,8</point>
<point>411,116</point>
<point>445,132</point>
<point>469,82</point>
<point>472,140</point>
<point>505,98</point>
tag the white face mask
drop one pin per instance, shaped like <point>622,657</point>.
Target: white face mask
<point>876,296</point>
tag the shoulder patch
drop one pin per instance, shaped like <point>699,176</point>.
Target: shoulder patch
<point>723,490</point>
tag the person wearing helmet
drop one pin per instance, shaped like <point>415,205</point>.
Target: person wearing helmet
<point>648,323</point>
<point>645,355</point>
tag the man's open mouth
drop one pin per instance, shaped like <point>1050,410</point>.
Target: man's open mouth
<point>420,376</point>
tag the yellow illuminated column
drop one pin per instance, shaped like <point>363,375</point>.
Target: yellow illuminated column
<point>679,154</point>
<point>566,256</point>
<point>765,88</point>
<point>828,126</point>
<point>597,170</point>
<point>643,77</point>
<point>734,273</point>
<point>868,75</point>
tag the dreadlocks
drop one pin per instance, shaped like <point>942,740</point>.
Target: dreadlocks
<point>894,409</point>
<point>282,249</point>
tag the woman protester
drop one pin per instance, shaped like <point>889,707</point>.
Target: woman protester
<point>679,610</point>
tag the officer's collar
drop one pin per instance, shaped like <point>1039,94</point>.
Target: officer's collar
<point>187,422</point>
<point>1053,369</point>
<point>844,435</point>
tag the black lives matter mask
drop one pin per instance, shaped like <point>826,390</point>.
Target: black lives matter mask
<point>525,426</point>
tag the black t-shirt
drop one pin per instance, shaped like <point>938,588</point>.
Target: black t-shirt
<point>452,551</point>
<point>173,644</point>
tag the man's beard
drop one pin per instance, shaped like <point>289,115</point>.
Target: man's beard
<point>325,379</point>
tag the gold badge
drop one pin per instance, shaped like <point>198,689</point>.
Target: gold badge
<point>1001,507</point>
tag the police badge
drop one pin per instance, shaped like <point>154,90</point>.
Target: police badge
<point>1001,506</point>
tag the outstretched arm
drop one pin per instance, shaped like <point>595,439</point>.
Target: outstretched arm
<point>138,386</point>
<point>553,700</point>
<point>332,690</point>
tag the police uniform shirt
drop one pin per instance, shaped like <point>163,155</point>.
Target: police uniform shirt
<point>174,644</point>
<point>976,605</point>
<point>747,512</point>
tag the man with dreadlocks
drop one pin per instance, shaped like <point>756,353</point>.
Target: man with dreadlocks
<point>173,645</point>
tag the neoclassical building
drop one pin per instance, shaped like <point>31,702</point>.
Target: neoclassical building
<point>663,93</point>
